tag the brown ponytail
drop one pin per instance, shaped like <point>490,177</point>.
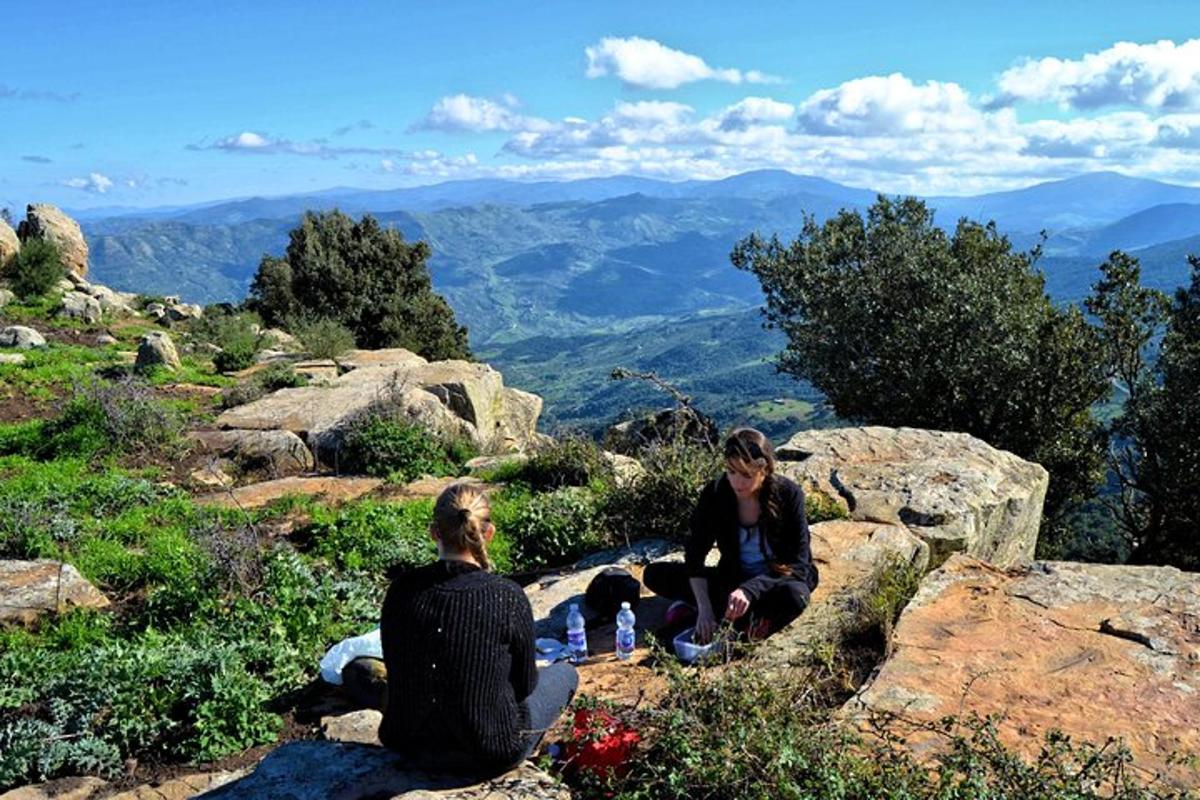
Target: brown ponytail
<point>461,516</point>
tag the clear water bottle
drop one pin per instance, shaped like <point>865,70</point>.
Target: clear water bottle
<point>626,636</point>
<point>576,635</point>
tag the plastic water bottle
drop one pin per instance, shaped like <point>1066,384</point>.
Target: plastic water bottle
<point>576,635</point>
<point>626,636</point>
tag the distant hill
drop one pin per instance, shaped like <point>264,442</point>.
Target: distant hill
<point>1165,223</point>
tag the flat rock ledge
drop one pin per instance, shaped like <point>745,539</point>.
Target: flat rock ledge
<point>31,589</point>
<point>954,491</point>
<point>347,771</point>
<point>1091,650</point>
<point>329,488</point>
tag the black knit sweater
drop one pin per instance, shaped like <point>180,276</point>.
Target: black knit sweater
<point>458,644</point>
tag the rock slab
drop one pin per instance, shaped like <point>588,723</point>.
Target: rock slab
<point>280,453</point>
<point>1089,649</point>
<point>956,492</point>
<point>326,770</point>
<point>30,589</point>
<point>21,337</point>
<point>257,495</point>
<point>157,349</point>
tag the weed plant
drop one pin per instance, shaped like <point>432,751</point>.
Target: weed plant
<point>571,460</point>
<point>388,446</point>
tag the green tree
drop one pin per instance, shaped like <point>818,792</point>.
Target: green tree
<point>35,269</point>
<point>900,323</point>
<point>363,276</point>
<point>1155,450</point>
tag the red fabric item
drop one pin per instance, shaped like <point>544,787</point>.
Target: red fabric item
<point>600,743</point>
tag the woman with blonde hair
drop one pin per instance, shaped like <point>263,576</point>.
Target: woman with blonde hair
<point>463,686</point>
<point>757,521</point>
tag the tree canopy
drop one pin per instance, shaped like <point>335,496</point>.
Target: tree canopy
<point>900,323</point>
<point>363,276</point>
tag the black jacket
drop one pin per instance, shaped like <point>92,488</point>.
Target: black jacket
<point>715,520</point>
<point>458,644</point>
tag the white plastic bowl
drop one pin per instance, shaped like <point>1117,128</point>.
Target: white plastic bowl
<point>691,653</point>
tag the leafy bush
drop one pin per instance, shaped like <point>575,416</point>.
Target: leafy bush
<point>367,278</point>
<point>572,460</point>
<point>123,416</point>
<point>237,335</point>
<point>374,536</point>
<point>557,528</point>
<point>323,337</point>
<point>390,446</point>
<point>819,507</point>
<point>660,501</point>
<point>35,269</point>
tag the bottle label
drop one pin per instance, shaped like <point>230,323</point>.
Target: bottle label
<point>577,640</point>
<point>625,639</point>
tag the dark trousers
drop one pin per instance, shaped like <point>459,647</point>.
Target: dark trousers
<point>780,604</point>
<point>556,686</point>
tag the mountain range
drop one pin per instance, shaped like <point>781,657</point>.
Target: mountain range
<point>609,262</point>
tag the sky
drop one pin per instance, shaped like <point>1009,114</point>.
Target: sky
<point>136,103</point>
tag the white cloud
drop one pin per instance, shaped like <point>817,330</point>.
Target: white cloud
<point>648,64</point>
<point>754,110</point>
<point>888,106</point>
<point>95,183</point>
<point>1178,130</point>
<point>462,112</point>
<point>1162,75</point>
<point>1099,137</point>
<point>428,162</point>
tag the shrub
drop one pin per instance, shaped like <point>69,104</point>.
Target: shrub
<point>236,334</point>
<point>572,460</point>
<point>660,501</point>
<point>35,269</point>
<point>819,507</point>
<point>389,446</point>
<point>323,337</point>
<point>370,536</point>
<point>123,416</point>
<point>556,528</point>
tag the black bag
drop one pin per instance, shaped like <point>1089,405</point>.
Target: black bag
<point>610,588</point>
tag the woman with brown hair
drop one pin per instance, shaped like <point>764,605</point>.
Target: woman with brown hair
<point>463,687</point>
<point>757,521</point>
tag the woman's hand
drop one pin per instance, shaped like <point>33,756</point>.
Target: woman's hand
<point>706,626</point>
<point>739,604</point>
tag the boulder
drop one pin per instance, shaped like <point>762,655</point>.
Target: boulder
<point>518,419</point>
<point>182,312</point>
<point>178,788</point>
<point>361,727</point>
<point>30,589</point>
<point>279,453</point>
<point>330,489</point>
<point>157,349</point>
<point>105,339</point>
<point>43,221</point>
<point>156,311</point>
<point>110,300</point>
<point>956,492</point>
<point>314,770</point>
<point>12,358</point>
<point>317,371</point>
<point>80,306</point>
<point>279,339</point>
<point>388,357</point>
<point>626,469</point>
<point>10,245</point>
<point>21,337</point>
<point>1092,650</point>
<point>6,297</point>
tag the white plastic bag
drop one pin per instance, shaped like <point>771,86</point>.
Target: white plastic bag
<point>347,650</point>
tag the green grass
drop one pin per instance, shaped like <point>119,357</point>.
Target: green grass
<point>56,367</point>
<point>773,411</point>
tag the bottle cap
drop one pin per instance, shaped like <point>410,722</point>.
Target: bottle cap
<point>624,606</point>
<point>574,607</point>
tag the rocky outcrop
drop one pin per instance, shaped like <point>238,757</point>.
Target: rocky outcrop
<point>156,349</point>
<point>632,436</point>
<point>321,770</point>
<point>44,221</point>
<point>279,453</point>
<point>852,558</point>
<point>457,398</point>
<point>179,788</point>
<point>6,297</point>
<point>1092,650</point>
<point>956,492</point>
<point>10,245</point>
<point>31,589</point>
<point>12,358</point>
<point>21,337</point>
<point>80,306</point>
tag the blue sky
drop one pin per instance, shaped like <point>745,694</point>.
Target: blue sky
<point>154,103</point>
